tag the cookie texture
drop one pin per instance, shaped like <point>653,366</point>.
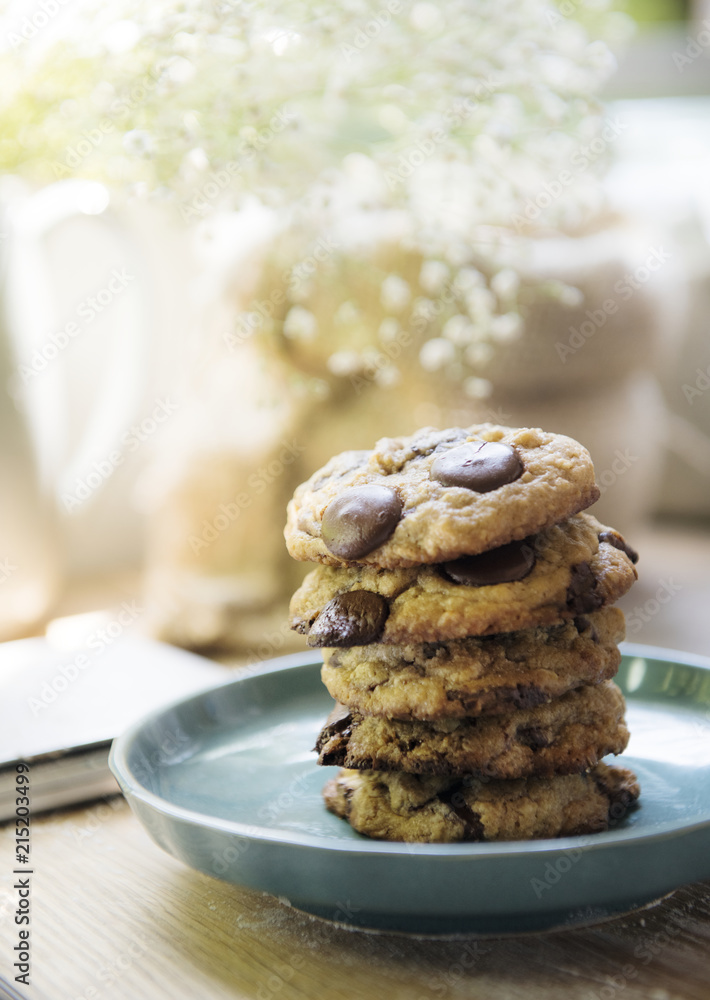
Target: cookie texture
<point>572,573</point>
<point>446,494</point>
<point>565,736</point>
<point>476,676</point>
<point>434,809</point>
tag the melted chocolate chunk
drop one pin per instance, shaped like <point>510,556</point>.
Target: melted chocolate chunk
<point>502,565</point>
<point>615,539</point>
<point>534,738</point>
<point>480,466</point>
<point>333,737</point>
<point>339,719</point>
<point>582,596</point>
<point>359,520</point>
<point>583,625</point>
<point>454,798</point>
<point>351,619</point>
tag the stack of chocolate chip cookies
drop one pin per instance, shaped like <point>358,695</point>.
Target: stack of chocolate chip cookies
<point>465,609</point>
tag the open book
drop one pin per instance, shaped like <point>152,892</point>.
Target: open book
<point>59,711</point>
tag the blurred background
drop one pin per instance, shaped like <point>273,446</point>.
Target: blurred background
<point>236,238</point>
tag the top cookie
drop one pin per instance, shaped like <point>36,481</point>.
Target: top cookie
<point>438,495</point>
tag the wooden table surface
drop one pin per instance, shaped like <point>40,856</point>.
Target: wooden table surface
<point>115,917</point>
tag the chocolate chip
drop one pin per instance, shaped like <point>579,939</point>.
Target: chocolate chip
<point>583,625</point>
<point>502,565</point>
<point>333,738</point>
<point>351,619</point>
<point>454,798</point>
<point>527,696</point>
<point>582,596</point>
<point>359,520</point>
<point>615,539</point>
<point>339,719</point>
<point>533,737</point>
<point>481,466</point>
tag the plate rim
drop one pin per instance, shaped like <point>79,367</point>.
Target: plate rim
<point>471,851</point>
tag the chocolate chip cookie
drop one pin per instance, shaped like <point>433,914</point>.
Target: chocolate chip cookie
<point>476,676</point>
<point>568,569</point>
<point>565,736</point>
<point>434,809</point>
<point>438,495</point>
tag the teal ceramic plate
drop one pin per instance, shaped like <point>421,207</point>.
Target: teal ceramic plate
<point>227,782</point>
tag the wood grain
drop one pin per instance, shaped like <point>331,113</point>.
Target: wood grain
<point>113,916</point>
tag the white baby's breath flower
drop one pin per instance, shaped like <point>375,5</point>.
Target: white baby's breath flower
<point>138,142</point>
<point>480,303</point>
<point>300,324</point>
<point>395,293</point>
<point>505,283</point>
<point>509,87</point>
<point>197,159</point>
<point>436,354</point>
<point>344,363</point>
<point>506,328</point>
<point>469,277</point>
<point>426,17</point>
<point>433,276</point>
<point>458,330</point>
<point>478,388</point>
<point>387,376</point>
<point>569,296</point>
